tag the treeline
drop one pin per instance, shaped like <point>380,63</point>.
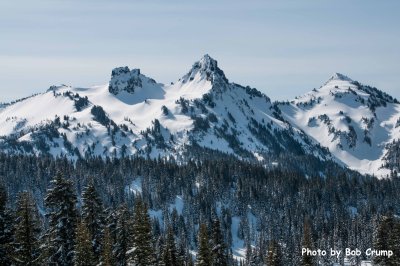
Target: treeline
<point>262,213</point>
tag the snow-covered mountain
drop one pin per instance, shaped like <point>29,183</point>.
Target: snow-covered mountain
<point>357,123</point>
<point>135,115</point>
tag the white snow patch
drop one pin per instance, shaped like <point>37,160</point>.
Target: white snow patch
<point>178,205</point>
<point>135,187</point>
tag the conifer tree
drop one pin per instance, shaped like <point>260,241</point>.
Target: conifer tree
<point>182,254</point>
<point>84,255</point>
<point>260,252</point>
<point>387,238</point>
<point>274,256</point>
<point>111,223</point>
<point>307,260</point>
<point>93,216</point>
<point>218,250</point>
<point>44,250</point>
<point>143,252</point>
<point>107,251</point>
<point>6,229</point>
<point>27,231</point>
<point>204,254</point>
<point>61,204</point>
<point>169,256</point>
<point>159,250</point>
<point>123,233</point>
<point>395,242</point>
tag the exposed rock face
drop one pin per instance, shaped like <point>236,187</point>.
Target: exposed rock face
<point>123,79</point>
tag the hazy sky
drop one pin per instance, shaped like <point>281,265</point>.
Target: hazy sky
<point>283,48</point>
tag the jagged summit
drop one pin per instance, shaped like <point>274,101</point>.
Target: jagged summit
<point>206,69</point>
<point>124,79</point>
<point>207,63</point>
<point>123,70</point>
<point>132,87</point>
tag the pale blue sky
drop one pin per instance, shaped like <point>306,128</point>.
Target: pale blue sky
<point>283,48</point>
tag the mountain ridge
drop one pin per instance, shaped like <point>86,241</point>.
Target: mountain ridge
<point>135,115</point>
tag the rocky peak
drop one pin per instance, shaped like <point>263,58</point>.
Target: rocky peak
<point>124,79</point>
<point>206,68</point>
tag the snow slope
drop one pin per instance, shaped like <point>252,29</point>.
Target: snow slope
<point>355,122</point>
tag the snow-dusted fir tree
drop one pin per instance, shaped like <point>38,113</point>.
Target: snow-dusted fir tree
<point>218,250</point>
<point>204,257</point>
<point>93,216</point>
<point>6,228</point>
<point>183,252</point>
<point>84,255</point>
<point>61,211</point>
<point>169,256</point>
<point>142,248</point>
<point>124,235</point>
<point>27,231</point>
<point>107,249</point>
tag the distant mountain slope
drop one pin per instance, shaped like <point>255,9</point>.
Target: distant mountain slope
<point>353,124</point>
<point>356,122</point>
